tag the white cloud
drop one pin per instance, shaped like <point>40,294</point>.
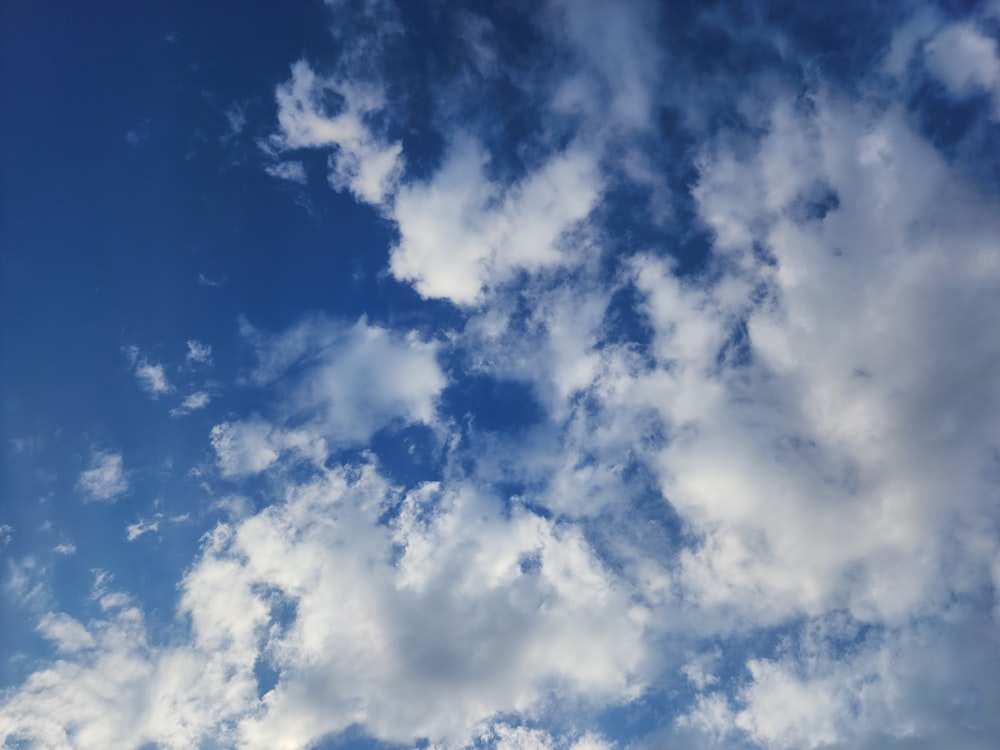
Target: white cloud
<point>172,697</point>
<point>198,352</point>
<point>966,61</point>
<point>454,633</point>
<point>152,376</point>
<point>354,379</point>
<point>243,447</point>
<point>459,631</point>
<point>143,526</point>
<point>105,480</point>
<point>68,635</point>
<point>293,171</point>
<point>192,402</point>
<point>460,231</point>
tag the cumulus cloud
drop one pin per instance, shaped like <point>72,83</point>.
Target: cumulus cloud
<point>105,480</point>
<point>479,616</point>
<point>460,231</point>
<point>434,645</point>
<point>966,61</point>
<point>293,171</point>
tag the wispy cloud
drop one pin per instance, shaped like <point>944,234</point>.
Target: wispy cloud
<point>198,352</point>
<point>192,402</point>
<point>293,171</point>
<point>151,376</point>
<point>105,479</point>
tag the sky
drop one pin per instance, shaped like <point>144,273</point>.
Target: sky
<point>561,375</point>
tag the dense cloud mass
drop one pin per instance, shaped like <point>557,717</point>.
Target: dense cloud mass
<point>688,437</point>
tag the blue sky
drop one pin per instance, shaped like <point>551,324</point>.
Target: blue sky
<point>509,376</point>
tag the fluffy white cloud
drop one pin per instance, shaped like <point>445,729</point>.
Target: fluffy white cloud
<point>350,380</point>
<point>884,692</point>
<point>105,480</point>
<point>459,629</point>
<point>966,61</point>
<point>244,447</point>
<point>460,231</point>
<point>198,352</point>
<point>113,688</point>
<point>152,376</point>
<point>429,626</point>
<point>68,635</point>
<point>362,162</point>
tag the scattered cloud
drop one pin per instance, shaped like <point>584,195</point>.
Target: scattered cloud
<point>152,376</point>
<point>198,352</point>
<point>192,402</point>
<point>236,119</point>
<point>143,526</point>
<point>105,480</point>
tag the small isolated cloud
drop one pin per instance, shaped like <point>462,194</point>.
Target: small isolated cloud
<point>66,549</point>
<point>193,402</point>
<point>204,280</point>
<point>152,376</point>
<point>293,171</point>
<point>143,526</point>
<point>6,533</point>
<point>236,118</point>
<point>152,524</point>
<point>105,480</point>
<point>198,352</point>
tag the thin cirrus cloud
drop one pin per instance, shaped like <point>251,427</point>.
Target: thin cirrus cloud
<point>689,390</point>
